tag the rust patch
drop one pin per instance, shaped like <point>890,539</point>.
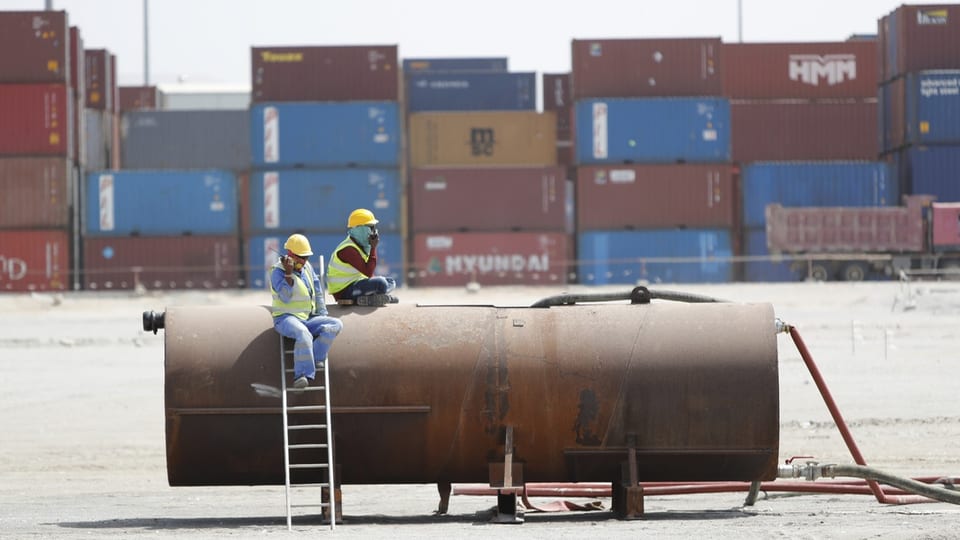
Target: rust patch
<point>587,410</point>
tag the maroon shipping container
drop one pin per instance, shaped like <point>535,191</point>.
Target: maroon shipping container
<point>98,79</point>
<point>946,225</point>
<point>37,119</point>
<point>34,47</point>
<point>803,130</point>
<point>138,98</point>
<point>655,196</point>
<point>77,84</point>
<point>508,258</point>
<point>114,114</point>
<point>919,38</point>
<point>34,260</point>
<point>36,192</point>
<point>846,229</point>
<point>351,73</point>
<point>557,91</point>
<point>172,262</point>
<point>646,67</point>
<point>800,70</point>
<point>488,199</point>
<point>892,117</point>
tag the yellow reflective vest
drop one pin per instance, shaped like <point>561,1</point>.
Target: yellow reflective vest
<point>301,302</point>
<point>341,274</point>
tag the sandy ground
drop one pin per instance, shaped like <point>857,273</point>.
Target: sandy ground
<point>82,442</point>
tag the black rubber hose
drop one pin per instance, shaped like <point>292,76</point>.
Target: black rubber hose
<point>907,484</point>
<point>638,295</point>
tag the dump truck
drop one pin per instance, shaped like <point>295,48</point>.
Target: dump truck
<point>920,238</point>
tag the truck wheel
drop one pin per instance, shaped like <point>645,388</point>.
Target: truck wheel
<point>854,271</point>
<point>821,271</point>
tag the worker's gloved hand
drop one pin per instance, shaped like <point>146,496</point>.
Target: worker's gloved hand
<point>374,240</point>
<point>288,264</point>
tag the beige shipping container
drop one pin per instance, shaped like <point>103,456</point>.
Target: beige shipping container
<point>483,138</point>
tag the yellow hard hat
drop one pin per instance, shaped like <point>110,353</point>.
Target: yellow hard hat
<point>298,245</point>
<point>361,216</point>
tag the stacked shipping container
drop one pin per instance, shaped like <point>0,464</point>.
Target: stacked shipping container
<point>487,199</point>
<point>655,189</point>
<point>325,139</point>
<point>804,118</point>
<point>920,98</point>
<point>38,176</point>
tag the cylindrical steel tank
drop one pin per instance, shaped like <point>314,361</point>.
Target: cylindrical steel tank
<point>424,394</point>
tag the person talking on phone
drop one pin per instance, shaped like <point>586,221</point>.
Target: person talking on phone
<point>300,311</point>
<point>350,274</point>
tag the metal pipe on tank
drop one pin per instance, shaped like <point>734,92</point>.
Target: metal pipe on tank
<point>424,394</point>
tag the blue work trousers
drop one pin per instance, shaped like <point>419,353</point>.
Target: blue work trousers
<point>313,337</point>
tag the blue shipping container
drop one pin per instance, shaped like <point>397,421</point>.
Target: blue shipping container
<point>755,244</point>
<point>934,170</point>
<point>263,251</point>
<point>320,200</point>
<point>161,203</point>
<point>607,257</point>
<point>471,92</point>
<point>652,130</point>
<point>816,183</point>
<point>933,107</point>
<point>458,65</point>
<point>327,134</point>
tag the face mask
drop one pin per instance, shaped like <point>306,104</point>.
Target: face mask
<point>361,235</point>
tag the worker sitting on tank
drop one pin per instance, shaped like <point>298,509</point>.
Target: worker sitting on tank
<point>299,309</point>
<point>350,274</point>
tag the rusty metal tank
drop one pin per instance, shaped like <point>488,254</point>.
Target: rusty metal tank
<point>424,394</point>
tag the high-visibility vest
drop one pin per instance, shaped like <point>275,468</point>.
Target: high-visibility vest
<point>341,274</point>
<point>301,302</point>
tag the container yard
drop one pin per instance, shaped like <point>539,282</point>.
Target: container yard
<point>607,278</point>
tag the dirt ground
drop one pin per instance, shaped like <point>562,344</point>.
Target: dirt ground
<point>82,450</point>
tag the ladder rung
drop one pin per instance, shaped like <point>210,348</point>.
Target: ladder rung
<point>322,505</point>
<point>302,446</point>
<point>308,408</point>
<point>307,426</point>
<point>307,389</point>
<point>308,466</point>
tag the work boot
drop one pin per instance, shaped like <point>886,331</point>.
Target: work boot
<point>372,300</point>
<point>301,382</point>
<point>392,299</point>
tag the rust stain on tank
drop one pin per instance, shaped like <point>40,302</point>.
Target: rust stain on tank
<point>588,409</point>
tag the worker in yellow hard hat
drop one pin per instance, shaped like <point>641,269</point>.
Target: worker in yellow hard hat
<point>350,274</point>
<point>299,309</point>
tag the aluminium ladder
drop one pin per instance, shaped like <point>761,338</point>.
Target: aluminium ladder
<point>297,450</point>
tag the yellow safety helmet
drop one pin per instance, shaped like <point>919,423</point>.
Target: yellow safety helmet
<point>361,216</point>
<point>298,245</point>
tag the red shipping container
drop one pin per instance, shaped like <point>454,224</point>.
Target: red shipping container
<point>646,67</point>
<point>557,91</point>
<point>919,38</point>
<point>508,258</point>
<point>34,260</point>
<point>34,47</point>
<point>349,73</point>
<point>36,193</point>
<point>488,199</point>
<point>172,262</point>
<point>37,120</point>
<point>789,130</point>
<point>77,84</point>
<point>98,79</point>
<point>138,98</point>
<point>946,225</point>
<point>800,70</point>
<point>114,114</point>
<point>655,196</point>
